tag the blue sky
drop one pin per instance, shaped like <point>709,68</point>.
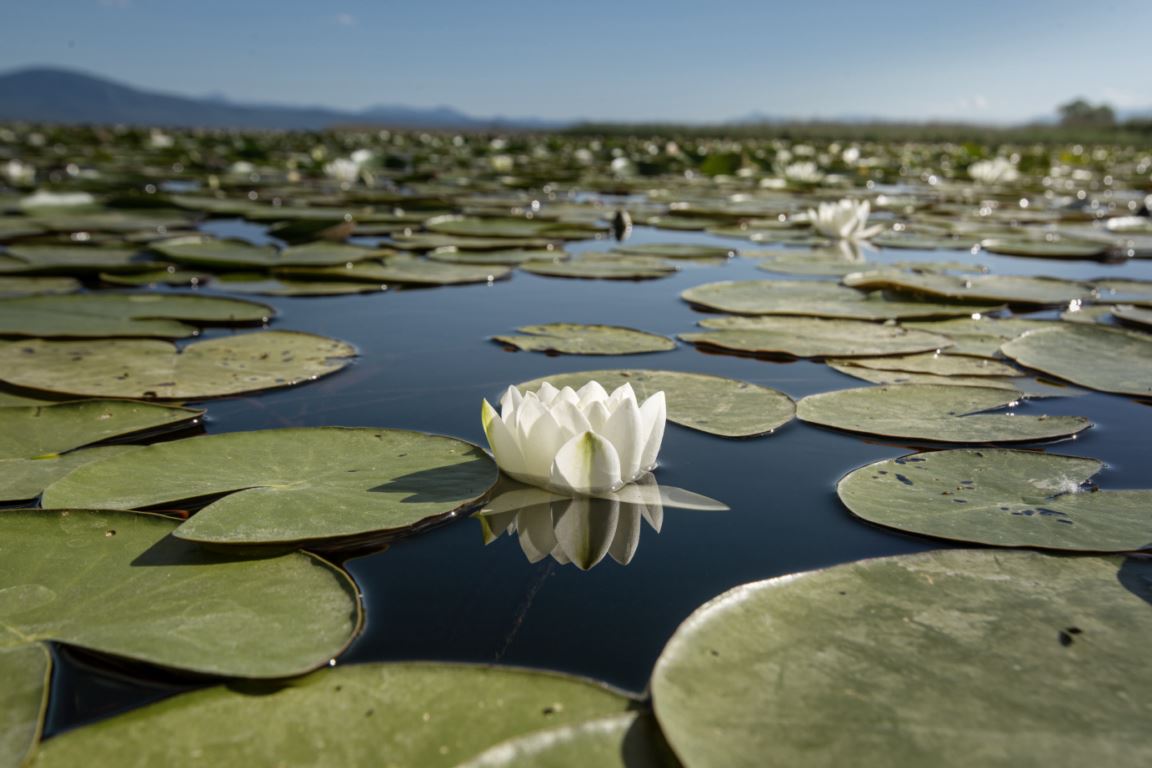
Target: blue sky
<point>670,60</point>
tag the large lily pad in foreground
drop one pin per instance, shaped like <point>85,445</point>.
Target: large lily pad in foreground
<point>156,315</point>
<point>812,337</point>
<point>116,582</point>
<point>290,485</point>
<point>1001,497</point>
<point>22,479</point>
<point>404,715</point>
<point>1107,359</point>
<point>934,412</point>
<point>146,368</point>
<point>712,404</point>
<point>581,339</point>
<point>950,658</point>
<point>38,430</point>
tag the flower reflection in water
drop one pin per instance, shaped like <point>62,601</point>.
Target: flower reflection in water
<point>582,530</point>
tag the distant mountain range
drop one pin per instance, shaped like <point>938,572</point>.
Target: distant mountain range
<point>45,94</point>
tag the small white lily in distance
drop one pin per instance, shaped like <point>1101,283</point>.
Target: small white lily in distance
<point>843,220</point>
<point>582,442</point>
<point>995,171</point>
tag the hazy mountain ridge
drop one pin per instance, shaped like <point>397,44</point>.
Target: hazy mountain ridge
<point>46,94</point>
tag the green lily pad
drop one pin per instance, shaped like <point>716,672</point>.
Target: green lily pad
<point>932,412</point>
<point>1135,315</point>
<point>147,368</point>
<point>922,242</point>
<point>622,741</point>
<point>95,315</point>
<point>500,258</point>
<point>1009,289</point>
<point>712,404</point>
<point>676,251</point>
<point>402,269</point>
<point>1000,497</point>
<point>25,670</point>
<point>260,285</point>
<point>22,479</point>
<point>1093,356</point>
<point>898,661</point>
<point>70,260</point>
<point>468,226</point>
<point>814,298</point>
<point>582,339</point>
<point>216,254</point>
<point>811,337</point>
<point>427,241</point>
<point>982,336</point>
<point>1045,249</point>
<point>27,286</point>
<point>118,583</point>
<point>879,376</point>
<point>290,486</point>
<point>1097,313</point>
<point>163,276</point>
<point>412,714</point>
<point>938,365</point>
<point>1137,292</point>
<point>39,430</point>
<point>622,268</point>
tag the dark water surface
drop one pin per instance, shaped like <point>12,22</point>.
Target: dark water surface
<point>427,362</point>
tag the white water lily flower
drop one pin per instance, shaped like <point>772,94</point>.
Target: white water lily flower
<point>44,199</point>
<point>343,169</point>
<point>844,220</point>
<point>996,171</point>
<point>18,173</point>
<point>584,441</point>
<point>804,172</point>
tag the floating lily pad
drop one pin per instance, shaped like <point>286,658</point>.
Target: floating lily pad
<point>1098,313</point>
<point>1093,356</point>
<point>932,412</point>
<point>811,337</point>
<point>676,251</point>
<point>259,285</point>
<point>402,269</point>
<point>712,404</point>
<point>898,661</point>
<point>467,226</point>
<point>1137,292</point>
<point>1134,315</point>
<point>1001,497</point>
<point>1010,289</point>
<point>623,268</point>
<point>160,276</point>
<point>216,254</point>
<point>622,741</point>
<point>38,430</point>
<point>27,286</point>
<point>25,670</point>
<point>815,298</point>
<point>580,339</point>
<point>921,242</point>
<point>118,583</point>
<point>1045,249</point>
<point>505,258</point>
<point>880,376</point>
<point>426,241</point>
<point>146,368</point>
<point>290,486</point>
<point>70,260</point>
<point>938,365</point>
<point>426,715</point>
<point>156,315</point>
<point>22,479</point>
<point>982,336</point>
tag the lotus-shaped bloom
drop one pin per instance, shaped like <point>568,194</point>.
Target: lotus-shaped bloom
<point>582,441</point>
<point>996,171</point>
<point>844,220</point>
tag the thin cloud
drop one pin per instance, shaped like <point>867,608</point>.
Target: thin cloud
<point>343,19</point>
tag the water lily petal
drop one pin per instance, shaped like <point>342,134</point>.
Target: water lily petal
<point>597,414</point>
<point>624,429</point>
<point>585,530</point>
<point>566,395</point>
<point>571,419</point>
<point>510,401</point>
<point>586,464</point>
<point>540,445</point>
<point>653,416</point>
<point>537,534</point>
<point>505,446</point>
<point>620,394</point>
<point>592,392</point>
<point>547,393</point>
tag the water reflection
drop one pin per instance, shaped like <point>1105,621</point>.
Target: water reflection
<point>582,530</point>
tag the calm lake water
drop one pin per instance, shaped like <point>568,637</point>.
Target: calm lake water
<point>427,362</point>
